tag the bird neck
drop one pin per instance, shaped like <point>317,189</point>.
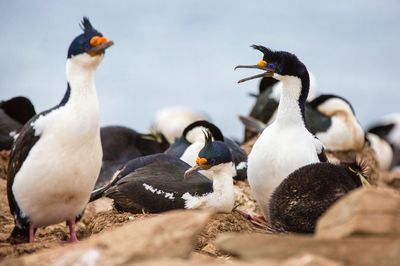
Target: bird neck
<point>222,177</point>
<point>81,91</point>
<point>293,99</point>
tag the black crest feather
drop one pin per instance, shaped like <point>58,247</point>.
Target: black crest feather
<point>86,26</point>
<point>263,49</point>
<point>208,139</point>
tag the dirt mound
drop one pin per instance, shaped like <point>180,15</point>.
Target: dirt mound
<point>4,157</point>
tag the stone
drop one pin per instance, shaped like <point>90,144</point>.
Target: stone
<point>365,211</point>
<point>365,251</point>
<point>310,260</point>
<point>169,235</point>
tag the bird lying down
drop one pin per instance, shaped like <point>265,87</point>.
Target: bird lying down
<point>161,182</point>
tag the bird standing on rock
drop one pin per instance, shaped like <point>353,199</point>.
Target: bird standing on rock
<point>57,156</point>
<point>286,144</point>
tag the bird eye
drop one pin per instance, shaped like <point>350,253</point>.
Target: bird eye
<point>87,46</point>
<point>271,65</point>
<point>212,161</point>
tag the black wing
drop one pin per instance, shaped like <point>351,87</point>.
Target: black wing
<point>121,144</point>
<point>239,157</point>
<point>20,150</point>
<point>156,184</point>
<point>178,147</point>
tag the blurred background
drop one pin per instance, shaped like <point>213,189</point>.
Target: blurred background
<point>182,52</point>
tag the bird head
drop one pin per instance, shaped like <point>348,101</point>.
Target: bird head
<point>89,47</point>
<point>276,64</point>
<point>212,155</point>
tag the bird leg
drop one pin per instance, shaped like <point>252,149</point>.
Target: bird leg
<point>72,233</point>
<point>31,233</point>
<point>257,220</point>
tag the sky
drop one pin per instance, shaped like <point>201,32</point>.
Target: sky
<point>183,52</point>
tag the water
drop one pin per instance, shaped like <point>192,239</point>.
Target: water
<point>183,53</point>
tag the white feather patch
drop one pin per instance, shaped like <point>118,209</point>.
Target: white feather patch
<point>167,195</point>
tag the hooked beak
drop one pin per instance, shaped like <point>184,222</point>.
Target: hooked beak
<point>100,48</point>
<point>262,65</point>
<point>195,169</point>
<point>100,44</point>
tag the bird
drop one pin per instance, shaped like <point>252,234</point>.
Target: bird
<point>161,182</point>
<point>331,118</point>
<point>121,144</point>
<point>14,113</point>
<point>267,101</point>
<point>303,196</point>
<point>388,128</point>
<point>57,156</point>
<point>383,150</point>
<point>171,121</point>
<point>192,140</point>
<point>286,144</point>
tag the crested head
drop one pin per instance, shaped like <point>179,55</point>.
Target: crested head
<point>89,46</point>
<point>214,152</point>
<point>283,63</point>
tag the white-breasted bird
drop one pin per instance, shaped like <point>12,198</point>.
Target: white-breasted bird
<point>57,156</point>
<point>286,144</point>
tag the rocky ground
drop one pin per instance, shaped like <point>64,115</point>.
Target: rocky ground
<point>363,228</point>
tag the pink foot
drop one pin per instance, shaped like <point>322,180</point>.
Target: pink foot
<point>31,233</point>
<point>72,233</point>
<point>257,220</point>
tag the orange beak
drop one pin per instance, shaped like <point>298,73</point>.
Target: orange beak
<point>100,44</point>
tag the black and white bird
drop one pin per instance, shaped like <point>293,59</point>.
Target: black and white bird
<point>302,197</point>
<point>161,182</point>
<point>331,118</point>
<point>286,144</point>
<point>187,147</point>
<point>121,144</point>
<point>14,113</point>
<point>267,101</point>
<point>57,156</point>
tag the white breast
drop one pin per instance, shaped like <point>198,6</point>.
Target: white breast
<point>277,153</point>
<point>56,179</point>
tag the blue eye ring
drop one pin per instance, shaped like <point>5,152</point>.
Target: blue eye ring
<point>271,65</point>
<point>212,161</point>
<point>87,46</point>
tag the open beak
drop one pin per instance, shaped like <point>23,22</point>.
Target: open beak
<point>195,169</point>
<point>262,65</point>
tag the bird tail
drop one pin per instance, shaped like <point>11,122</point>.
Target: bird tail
<point>19,235</point>
<point>98,193</point>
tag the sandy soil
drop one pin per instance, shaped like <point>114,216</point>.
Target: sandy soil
<point>94,223</point>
